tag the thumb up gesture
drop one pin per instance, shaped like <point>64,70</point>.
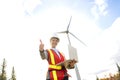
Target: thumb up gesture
<point>41,46</point>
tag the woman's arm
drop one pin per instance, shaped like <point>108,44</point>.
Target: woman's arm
<point>43,53</point>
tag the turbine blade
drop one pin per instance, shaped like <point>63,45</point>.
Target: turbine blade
<point>78,39</point>
<point>69,24</point>
<point>62,32</point>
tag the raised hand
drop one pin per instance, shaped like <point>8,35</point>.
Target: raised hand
<point>41,46</point>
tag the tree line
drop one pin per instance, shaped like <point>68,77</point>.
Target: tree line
<point>3,75</point>
<point>112,77</point>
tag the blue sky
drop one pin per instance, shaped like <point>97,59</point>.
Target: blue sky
<point>110,8</point>
<point>25,22</point>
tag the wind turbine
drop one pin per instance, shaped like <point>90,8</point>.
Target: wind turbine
<point>67,32</point>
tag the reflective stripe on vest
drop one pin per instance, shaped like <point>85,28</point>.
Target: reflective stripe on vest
<point>53,66</point>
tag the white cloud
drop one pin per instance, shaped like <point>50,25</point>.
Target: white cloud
<point>99,8</point>
<point>104,48</point>
<point>30,5</point>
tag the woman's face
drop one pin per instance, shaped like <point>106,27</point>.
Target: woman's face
<point>54,42</point>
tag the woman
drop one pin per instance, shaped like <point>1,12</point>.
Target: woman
<point>55,57</point>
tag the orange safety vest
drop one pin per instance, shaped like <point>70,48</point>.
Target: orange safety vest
<point>56,72</point>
